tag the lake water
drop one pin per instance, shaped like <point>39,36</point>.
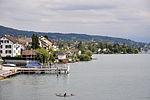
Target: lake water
<point>109,77</point>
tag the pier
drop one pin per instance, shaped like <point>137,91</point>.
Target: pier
<point>64,70</point>
<point>5,74</point>
<point>24,70</point>
<point>55,69</point>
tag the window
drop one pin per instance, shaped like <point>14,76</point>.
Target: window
<point>1,51</point>
<point>7,41</point>
<point>8,46</point>
<point>1,41</point>
<point>1,46</point>
<point>8,51</point>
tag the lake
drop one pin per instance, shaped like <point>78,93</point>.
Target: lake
<point>109,77</point>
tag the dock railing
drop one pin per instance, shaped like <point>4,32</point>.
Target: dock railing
<point>55,69</point>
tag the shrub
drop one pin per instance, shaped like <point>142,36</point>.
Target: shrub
<point>84,57</point>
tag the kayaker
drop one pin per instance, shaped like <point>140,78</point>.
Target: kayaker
<point>65,94</point>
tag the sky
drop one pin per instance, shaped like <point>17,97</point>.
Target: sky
<point>128,19</point>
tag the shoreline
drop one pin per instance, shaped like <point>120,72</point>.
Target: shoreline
<point>7,71</point>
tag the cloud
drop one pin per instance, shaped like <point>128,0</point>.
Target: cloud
<point>118,18</point>
<point>85,7</point>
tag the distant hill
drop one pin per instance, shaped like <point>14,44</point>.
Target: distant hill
<point>69,36</point>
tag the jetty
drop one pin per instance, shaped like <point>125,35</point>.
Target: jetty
<point>4,74</point>
<point>56,69</point>
<point>63,70</point>
<point>7,71</point>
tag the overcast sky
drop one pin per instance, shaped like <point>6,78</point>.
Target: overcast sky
<point>118,18</point>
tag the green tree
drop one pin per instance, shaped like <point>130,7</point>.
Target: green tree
<point>109,45</point>
<point>52,55</point>
<point>21,36</point>
<point>61,45</point>
<point>84,57</point>
<point>51,58</point>
<point>35,41</point>
<point>88,52</point>
<point>136,51</point>
<point>46,36</point>
<point>130,50</point>
<point>42,55</point>
<point>116,48</point>
<point>124,45</point>
<point>81,46</point>
<point>124,50</point>
<point>93,48</point>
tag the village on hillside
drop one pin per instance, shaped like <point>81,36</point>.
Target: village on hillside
<point>42,50</point>
<point>36,48</point>
<point>33,55</point>
<point>38,54</point>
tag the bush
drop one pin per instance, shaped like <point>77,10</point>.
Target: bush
<point>88,52</point>
<point>42,55</point>
<point>84,57</point>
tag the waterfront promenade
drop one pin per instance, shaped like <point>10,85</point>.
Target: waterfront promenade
<point>6,73</point>
<point>11,71</point>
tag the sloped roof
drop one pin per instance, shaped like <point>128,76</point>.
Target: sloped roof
<point>46,41</point>
<point>24,40</point>
<point>73,50</point>
<point>28,52</point>
<point>61,53</point>
<point>14,40</point>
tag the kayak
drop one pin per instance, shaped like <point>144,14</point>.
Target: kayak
<point>62,95</point>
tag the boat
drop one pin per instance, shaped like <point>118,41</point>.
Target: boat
<point>1,60</point>
<point>9,64</point>
<point>33,65</point>
<point>63,95</point>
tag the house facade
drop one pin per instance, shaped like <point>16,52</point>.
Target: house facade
<point>61,56</point>
<point>45,43</point>
<point>29,53</point>
<point>10,46</point>
<point>26,41</point>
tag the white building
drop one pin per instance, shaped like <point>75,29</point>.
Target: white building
<point>27,41</point>
<point>45,43</point>
<point>61,56</point>
<point>10,46</point>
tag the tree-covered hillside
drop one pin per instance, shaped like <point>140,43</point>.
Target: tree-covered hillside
<point>69,36</point>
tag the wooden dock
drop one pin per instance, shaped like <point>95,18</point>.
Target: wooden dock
<point>6,74</point>
<point>51,70</point>
<point>57,70</point>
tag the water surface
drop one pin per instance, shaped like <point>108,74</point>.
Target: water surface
<point>109,77</point>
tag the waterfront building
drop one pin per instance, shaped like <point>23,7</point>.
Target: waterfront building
<point>28,41</point>
<point>29,53</point>
<point>61,56</point>
<point>10,46</point>
<point>73,52</point>
<point>46,43</point>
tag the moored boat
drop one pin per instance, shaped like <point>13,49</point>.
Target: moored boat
<point>1,60</point>
<point>9,64</point>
